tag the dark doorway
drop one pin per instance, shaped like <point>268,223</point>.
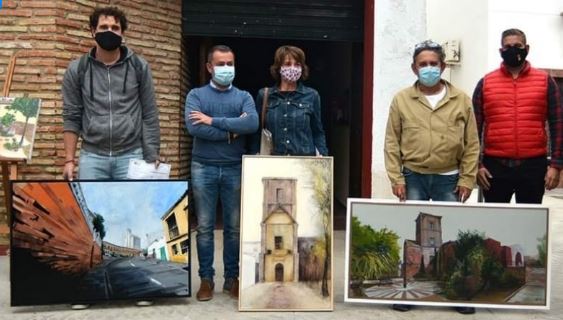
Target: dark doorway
<point>335,72</point>
<point>279,272</point>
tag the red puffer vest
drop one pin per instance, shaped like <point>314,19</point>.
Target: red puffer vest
<point>515,112</point>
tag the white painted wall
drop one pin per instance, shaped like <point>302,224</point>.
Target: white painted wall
<point>477,24</point>
<point>541,22</point>
<point>155,247</point>
<point>467,22</point>
<point>399,25</point>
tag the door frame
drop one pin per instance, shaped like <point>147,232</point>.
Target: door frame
<point>367,105</point>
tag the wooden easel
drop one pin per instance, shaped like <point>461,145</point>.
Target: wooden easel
<point>9,166</point>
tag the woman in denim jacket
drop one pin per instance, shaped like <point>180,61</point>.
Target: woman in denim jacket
<point>293,115</point>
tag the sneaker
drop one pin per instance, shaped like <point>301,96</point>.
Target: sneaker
<point>79,306</point>
<point>402,307</point>
<point>231,287</point>
<point>465,310</point>
<point>205,292</point>
<point>144,303</point>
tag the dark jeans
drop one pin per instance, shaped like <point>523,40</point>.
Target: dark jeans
<point>430,186</point>
<point>525,180</point>
<point>209,184</point>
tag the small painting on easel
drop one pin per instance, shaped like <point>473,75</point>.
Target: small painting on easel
<point>18,122</point>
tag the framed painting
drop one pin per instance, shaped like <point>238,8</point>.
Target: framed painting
<point>18,122</point>
<point>95,241</point>
<point>447,254</point>
<point>286,234</point>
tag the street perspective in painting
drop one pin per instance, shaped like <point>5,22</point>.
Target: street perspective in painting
<point>88,241</point>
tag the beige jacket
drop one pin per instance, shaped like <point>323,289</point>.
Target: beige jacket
<point>431,141</point>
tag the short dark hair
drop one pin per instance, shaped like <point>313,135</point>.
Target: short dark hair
<point>279,58</point>
<point>110,12</point>
<point>513,32</point>
<point>221,48</point>
<point>429,45</point>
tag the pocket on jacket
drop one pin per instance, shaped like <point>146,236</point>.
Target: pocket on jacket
<point>455,140</point>
<point>411,136</point>
<point>124,132</point>
<point>302,116</point>
<point>97,129</point>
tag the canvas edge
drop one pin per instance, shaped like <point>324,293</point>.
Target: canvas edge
<point>349,213</point>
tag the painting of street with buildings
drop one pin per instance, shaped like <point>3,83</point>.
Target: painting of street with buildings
<point>93,241</point>
<point>18,121</point>
<point>286,234</point>
<point>493,256</point>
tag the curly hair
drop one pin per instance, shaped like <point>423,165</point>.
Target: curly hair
<point>110,12</point>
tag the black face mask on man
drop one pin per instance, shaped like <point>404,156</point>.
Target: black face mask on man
<point>514,56</point>
<point>108,40</point>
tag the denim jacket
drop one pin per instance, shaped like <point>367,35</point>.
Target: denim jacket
<point>294,118</point>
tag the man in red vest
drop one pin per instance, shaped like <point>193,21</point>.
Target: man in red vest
<point>512,105</point>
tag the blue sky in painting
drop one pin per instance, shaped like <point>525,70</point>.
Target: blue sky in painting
<point>135,205</point>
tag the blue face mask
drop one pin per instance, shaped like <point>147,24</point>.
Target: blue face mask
<point>223,75</point>
<point>429,76</point>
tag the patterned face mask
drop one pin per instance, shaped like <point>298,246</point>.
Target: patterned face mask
<point>290,73</point>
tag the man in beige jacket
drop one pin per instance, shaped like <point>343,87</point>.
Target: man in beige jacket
<point>431,143</point>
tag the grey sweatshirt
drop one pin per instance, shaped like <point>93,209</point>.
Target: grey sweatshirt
<point>113,111</point>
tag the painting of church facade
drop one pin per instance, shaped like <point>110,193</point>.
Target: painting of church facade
<point>286,234</point>
<point>428,253</point>
<point>95,241</point>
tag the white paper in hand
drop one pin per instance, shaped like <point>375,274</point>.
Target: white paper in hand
<point>139,169</point>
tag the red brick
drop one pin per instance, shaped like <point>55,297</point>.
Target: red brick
<point>46,12</point>
<point>15,13</point>
<point>69,23</point>
<point>38,4</point>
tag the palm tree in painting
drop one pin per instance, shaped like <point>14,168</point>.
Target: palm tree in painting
<point>374,253</point>
<point>28,107</point>
<point>321,181</point>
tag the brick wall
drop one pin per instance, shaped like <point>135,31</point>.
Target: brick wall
<point>48,34</point>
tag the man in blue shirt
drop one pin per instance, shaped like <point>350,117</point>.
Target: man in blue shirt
<point>218,116</point>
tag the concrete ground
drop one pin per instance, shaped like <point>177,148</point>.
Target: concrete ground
<point>223,307</point>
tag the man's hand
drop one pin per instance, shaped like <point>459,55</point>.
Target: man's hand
<point>400,191</point>
<point>483,176</point>
<point>68,170</point>
<point>463,193</point>
<point>551,178</point>
<point>198,117</point>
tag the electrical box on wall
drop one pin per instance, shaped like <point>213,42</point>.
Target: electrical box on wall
<point>452,51</point>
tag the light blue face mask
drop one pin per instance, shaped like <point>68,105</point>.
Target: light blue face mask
<point>429,76</point>
<point>223,75</point>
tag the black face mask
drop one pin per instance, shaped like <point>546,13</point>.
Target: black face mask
<point>514,56</point>
<point>108,40</point>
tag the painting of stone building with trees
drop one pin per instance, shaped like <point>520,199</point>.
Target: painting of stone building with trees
<point>286,232</point>
<point>428,253</point>
<point>18,122</point>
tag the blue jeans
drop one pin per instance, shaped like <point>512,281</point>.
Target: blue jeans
<point>96,167</point>
<point>430,186</point>
<point>210,183</point>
